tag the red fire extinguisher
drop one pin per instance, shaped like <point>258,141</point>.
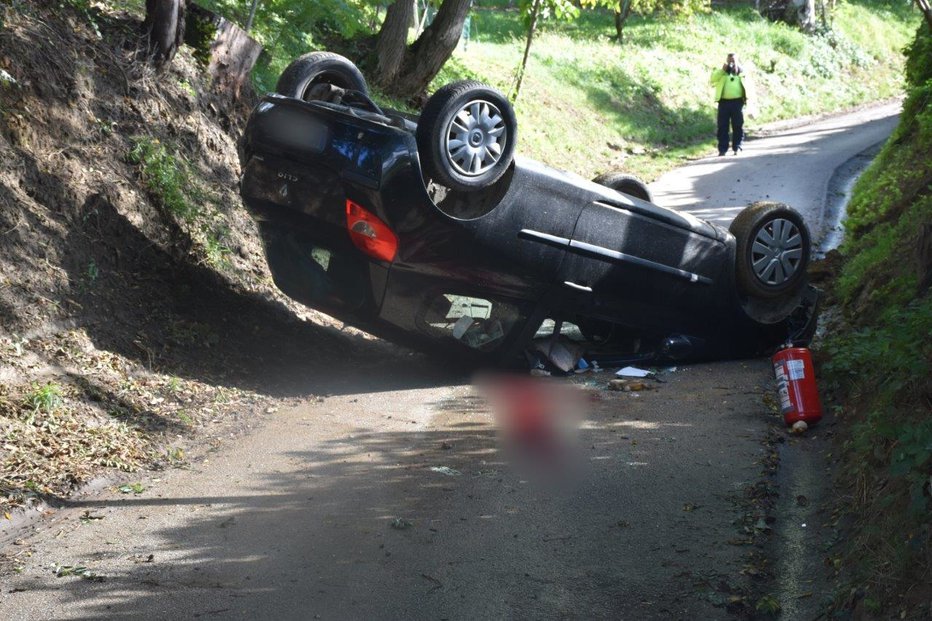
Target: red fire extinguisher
<point>796,385</point>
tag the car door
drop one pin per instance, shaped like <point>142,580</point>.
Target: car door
<point>641,265</point>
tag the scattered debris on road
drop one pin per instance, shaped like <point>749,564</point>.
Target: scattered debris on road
<point>131,488</point>
<point>401,524</point>
<point>633,372</point>
<point>624,385</point>
<point>446,470</point>
<point>62,571</point>
<point>560,352</point>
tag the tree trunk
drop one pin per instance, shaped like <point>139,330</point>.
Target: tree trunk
<point>393,41</point>
<point>252,15</point>
<point>224,47</point>
<point>535,12</point>
<point>799,13</point>
<point>621,16</point>
<point>802,13</point>
<point>926,9</point>
<point>426,56</point>
<point>420,17</point>
<point>924,258</point>
<point>164,28</point>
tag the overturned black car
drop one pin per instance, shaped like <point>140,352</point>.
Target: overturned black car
<point>430,232</point>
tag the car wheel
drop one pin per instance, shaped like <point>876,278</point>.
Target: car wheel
<point>773,249</point>
<point>626,184</point>
<point>466,136</point>
<point>319,68</point>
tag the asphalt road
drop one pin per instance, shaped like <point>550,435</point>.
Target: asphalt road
<point>792,164</point>
<point>407,502</point>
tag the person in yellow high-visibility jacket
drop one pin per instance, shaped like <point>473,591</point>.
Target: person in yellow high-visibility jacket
<point>731,92</point>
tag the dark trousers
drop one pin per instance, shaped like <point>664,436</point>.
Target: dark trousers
<point>729,112</point>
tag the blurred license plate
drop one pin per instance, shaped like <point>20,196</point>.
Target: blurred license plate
<point>295,131</point>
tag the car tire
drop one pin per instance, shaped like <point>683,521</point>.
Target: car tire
<point>773,247</point>
<point>316,68</point>
<point>466,136</point>
<point>626,184</point>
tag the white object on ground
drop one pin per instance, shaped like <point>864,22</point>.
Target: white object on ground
<point>632,372</point>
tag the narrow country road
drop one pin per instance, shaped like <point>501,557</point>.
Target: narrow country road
<point>793,166</point>
<point>401,502</point>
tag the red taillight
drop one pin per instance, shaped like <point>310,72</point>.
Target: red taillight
<point>370,234</point>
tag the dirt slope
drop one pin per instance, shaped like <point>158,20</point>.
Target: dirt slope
<point>115,312</point>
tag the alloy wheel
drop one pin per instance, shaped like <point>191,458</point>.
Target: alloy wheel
<point>476,138</point>
<point>777,251</point>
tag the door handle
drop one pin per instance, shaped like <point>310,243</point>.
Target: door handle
<point>573,285</point>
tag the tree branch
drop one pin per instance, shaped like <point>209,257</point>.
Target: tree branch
<point>926,9</point>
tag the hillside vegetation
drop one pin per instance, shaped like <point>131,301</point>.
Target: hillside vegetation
<point>881,362</point>
<point>126,259</point>
<point>588,104</point>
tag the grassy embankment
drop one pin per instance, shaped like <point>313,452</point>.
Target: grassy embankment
<point>881,365</point>
<point>589,105</point>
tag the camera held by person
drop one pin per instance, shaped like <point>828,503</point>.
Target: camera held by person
<point>731,66</point>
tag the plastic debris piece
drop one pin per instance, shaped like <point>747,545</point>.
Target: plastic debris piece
<point>450,472</point>
<point>462,324</point>
<point>401,524</point>
<point>560,352</point>
<point>799,426</point>
<point>628,385</point>
<point>632,372</point>
<point>481,332</point>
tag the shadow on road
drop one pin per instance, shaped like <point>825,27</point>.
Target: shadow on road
<point>439,522</point>
<point>182,319</point>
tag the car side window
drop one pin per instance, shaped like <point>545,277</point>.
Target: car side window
<point>478,323</point>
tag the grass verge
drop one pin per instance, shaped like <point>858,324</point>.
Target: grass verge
<point>880,367</point>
